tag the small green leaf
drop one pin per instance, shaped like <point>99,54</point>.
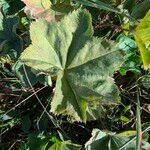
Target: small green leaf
<point>124,119</point>
<point>132,59</point>
<point>127,133</point>
<point>126,43</point>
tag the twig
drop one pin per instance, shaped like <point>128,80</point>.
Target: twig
<point>13,145</point>
<point>24,100</point>
<point>41,117</point>
<point>48,114</point>
<point>133,139</point>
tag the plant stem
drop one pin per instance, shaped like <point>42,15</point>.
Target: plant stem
<point>138,123</point>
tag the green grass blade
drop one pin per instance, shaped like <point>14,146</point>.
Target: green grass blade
<point>99,5</point>
<point>104,6</point>
<point>138,123</point>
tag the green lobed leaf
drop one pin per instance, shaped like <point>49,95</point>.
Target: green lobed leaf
<point>112,141</point>
<point>142,36</point>
<point>84,64</point>
<point>9,40</point>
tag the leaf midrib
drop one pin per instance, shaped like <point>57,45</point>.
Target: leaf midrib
<point>68,68</point>
<point>80,112</point>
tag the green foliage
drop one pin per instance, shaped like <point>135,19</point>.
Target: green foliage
<point>129,4</point>
<point>142,36</point>
<point>48,142</point>
<point>63,6</point>
<point>112,141</point>
<point>132,59</point>
<point>10,7</point>
<point>145,81</point>
<point>6,121</point>
<point>140,10</point>
<point>84,64</point>
<point>26,123</point>
<point>10,42</point>
<point>126,43</point>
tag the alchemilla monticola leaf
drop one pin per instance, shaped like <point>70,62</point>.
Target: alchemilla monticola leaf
<point>84,64</point>
<point>111,141</point>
